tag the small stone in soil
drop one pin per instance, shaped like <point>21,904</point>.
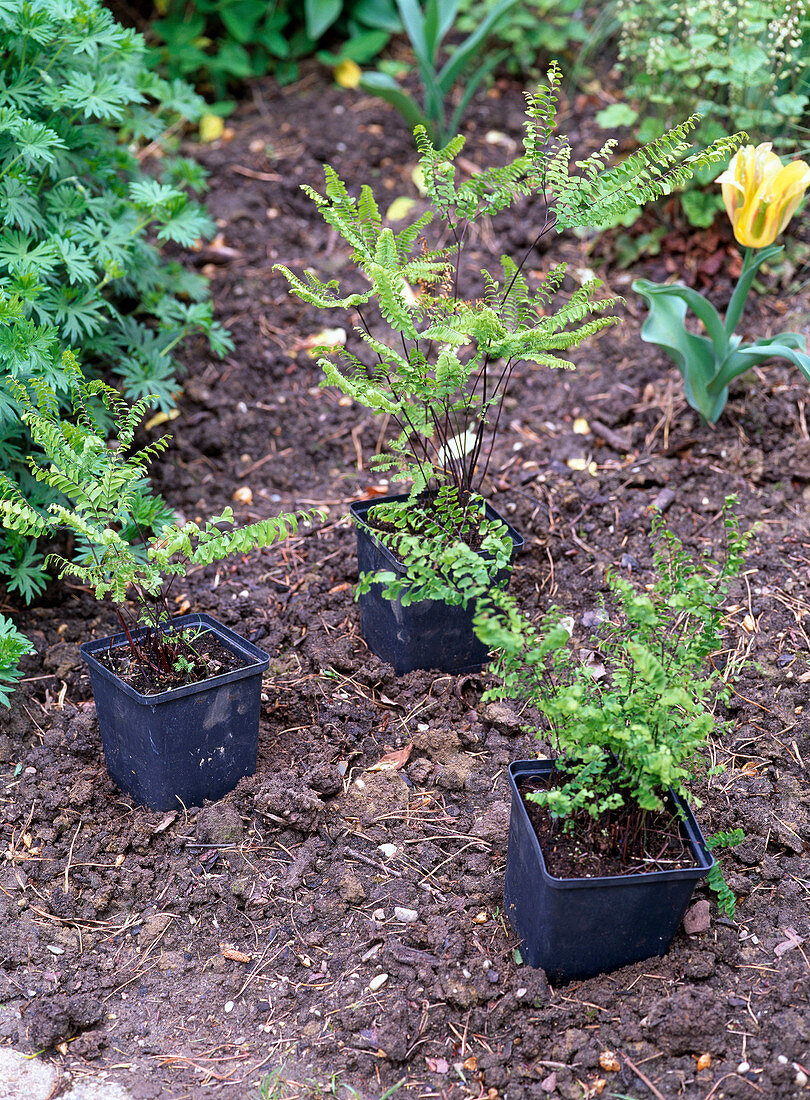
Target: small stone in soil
<point>377,982</point>
<point>407,916</point>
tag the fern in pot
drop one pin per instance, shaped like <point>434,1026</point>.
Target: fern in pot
<point>604,852</point>
<point>177,698</point>
<point>435,356</point>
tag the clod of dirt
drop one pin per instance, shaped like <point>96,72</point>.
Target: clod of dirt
<point>284,804</point>
<point>503,718</point>
<point>325,779</point>
<point>437,744</point>
<point>350,887</point>
<point>153,926</point>
<point>493,825</point>
<point>219,824</point>
<point>53,1019</point>
<point>374,795</point>
<point>685,1022</point>
<point>456,774</point>
<point>458,991</point>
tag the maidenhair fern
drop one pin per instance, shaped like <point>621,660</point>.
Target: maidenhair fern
<point>99,486</point>
<point>442,368</point>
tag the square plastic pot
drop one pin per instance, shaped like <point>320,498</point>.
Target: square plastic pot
<point>187,744</point>
<point>575,928</point>
<point>428,634</point>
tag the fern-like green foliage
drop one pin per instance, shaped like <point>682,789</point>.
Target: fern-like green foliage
<point>13,647</point>
<point>98,484</point>
<point>716,881</point>
<point>629,726</point>
<point>436,356</point>
<point>77,266</point>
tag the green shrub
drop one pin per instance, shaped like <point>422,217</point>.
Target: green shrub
<point>77,266</point>
<point>747,63</point>
<point>218,43</point>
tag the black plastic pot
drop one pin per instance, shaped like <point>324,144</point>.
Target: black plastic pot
<point>575,928</point>
<point>428,634</point>
<point>185,745</point>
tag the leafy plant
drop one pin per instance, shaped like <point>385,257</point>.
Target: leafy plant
<point>746,61</point>
<point>627,732</point>
<point>761,196</point>
<point>427,30</point>
<point>99,482</point>
<point>13,647</point>
<point>535,31</point>
<point>726,901</point>
<point>441,370</point>
<point>77,212</point>
<point>219,43</point>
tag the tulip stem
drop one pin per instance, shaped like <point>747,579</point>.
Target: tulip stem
<point>753,258</point>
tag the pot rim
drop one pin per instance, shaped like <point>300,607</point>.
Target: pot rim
<point>257,659</point>
<point>704,860</point>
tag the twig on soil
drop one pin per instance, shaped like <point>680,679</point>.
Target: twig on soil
<point>70,855</point>
<point>361,858</point>
<point>643,1077</point>
<point>719,1082</point>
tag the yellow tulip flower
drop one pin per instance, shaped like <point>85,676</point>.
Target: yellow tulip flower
<point>761,194</point>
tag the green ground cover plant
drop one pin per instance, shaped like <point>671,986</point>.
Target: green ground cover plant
<point>435,355</point>
<point>82,224</point>
<point>745,62</point>
<point>220,43</point>
<point>96,481</point>
<point>535,31</point>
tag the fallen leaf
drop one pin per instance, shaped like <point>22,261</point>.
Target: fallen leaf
<point>165,822</point>
<point>471,1064</point>
<point>481,918</point>
<point>400,208</point>
<point>161,418</point>
<point>212,128</point>
<point>326,338</point>
<point>234,955</point>
<point>347,73</point>
<point>793,940</point>
<point>609,1061</point>
<point>392,760</point>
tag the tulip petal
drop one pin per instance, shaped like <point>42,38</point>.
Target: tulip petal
<point>761,194</point>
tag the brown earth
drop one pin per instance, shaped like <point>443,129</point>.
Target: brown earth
<point>194,953</point>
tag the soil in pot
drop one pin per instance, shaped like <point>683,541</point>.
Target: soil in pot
<point>624,842</point>
<point>189,656</point>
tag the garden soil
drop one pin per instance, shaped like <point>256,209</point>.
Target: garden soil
<point>336,928</point>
